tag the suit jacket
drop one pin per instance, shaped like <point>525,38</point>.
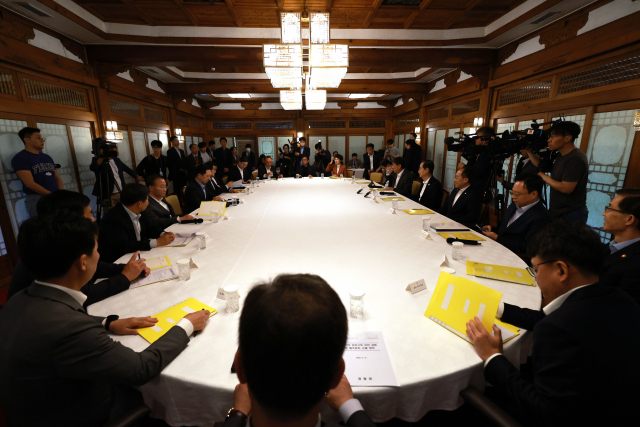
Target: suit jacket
<point>118,237</point>
<point>584,361</point>
<point>104,172</point>
<point>234,174</point>
<point>622,270</point>
<point>521,168</point>
<point>262,171</point>
<point>335,170</point>
<point>193,196</point>
<point>252,160</point>
<point>114,283</point>
<point>357,419</point>
<point>175,162</point>
<point>223,159</point>
<point>516,237</point>
<point>357,164</point>
<point>405,183</point>
<point>190,165</point>
<point>157,218</point>
<point>216,187</point>
<point>306,171</point>
<point>304,151</point>
<point>367,163</point>
<point>467,208</point>
<point>150,166</point>
<point>60,367</point>
<point>432,196</point>
<point>212,154</point>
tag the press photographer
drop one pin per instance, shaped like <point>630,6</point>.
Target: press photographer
<point>299,150</point>
<point>285,161</point>
<point>322,157</point>
<point>481,163</point>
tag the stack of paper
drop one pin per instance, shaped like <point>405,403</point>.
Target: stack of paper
<point>158,275</point>
<point>168,318</point>
<point>418,211</point>
<point>367,362</point>
<point>461,235</point>
<point>505,273</point>
<point>182,239</point>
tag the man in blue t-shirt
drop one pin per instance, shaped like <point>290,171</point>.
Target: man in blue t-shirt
<point>35,169</point>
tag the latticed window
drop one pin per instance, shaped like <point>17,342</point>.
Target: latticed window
<point>123,107</point>
<point>359,124</point>
<point>274,125</point>
<point>48,92</point>
<point>182,120</point>
<point>465,107</point>
<point>7,86</point>
<point>606,74</point>
<point>155,115</point>
<point>336,124</point>
<point>231,125</point>
<point>438,113</point>
<point>530,92</point>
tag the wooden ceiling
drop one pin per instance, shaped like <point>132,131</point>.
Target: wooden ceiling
<point>382,14</point>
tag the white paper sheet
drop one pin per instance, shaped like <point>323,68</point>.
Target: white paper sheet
<point>159,275</point>
<point>182,239</point>
<point>159,262</point>
<point>367,361</point>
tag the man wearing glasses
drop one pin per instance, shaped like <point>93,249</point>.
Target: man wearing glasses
<point>159,214</point>
<point>585,369</point>
<point>35,169</point>
<point>525,216</point>
<point>622,219</point>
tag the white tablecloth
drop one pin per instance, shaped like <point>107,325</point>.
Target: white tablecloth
<point>358,173</point>
<point>319,226</point>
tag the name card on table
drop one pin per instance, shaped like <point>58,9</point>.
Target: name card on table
<point>416,286</point>
<point>426,235</point>
<point>221,295</point>
<point>392,211</point>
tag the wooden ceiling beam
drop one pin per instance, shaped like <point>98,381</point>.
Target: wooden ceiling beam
<point>347,86</point>
<point>468,7</point>
<point>146,18</point>
<point>234,13</point>
<point>190,16</point>
<point>370,15</point>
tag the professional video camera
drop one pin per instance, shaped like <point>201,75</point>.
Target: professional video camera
<point>109,149</point>
<point>318,146</point>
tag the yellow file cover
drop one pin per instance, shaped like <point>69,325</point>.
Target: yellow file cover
<point>465,235</point>
<point>390,199</point>
<point>170,317</point>
<point>500,272</point>
<point>418,211</point>
<point>457,300</point>
<point>207,207</point>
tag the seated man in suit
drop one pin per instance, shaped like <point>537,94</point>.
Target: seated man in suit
<point>116,277</point>
<point>197,192</point>
<point>284,379</point>
<point>584,355</point>
<point>215,186</point>
<point>355,163</point>
<point>336,167</point>
<point>525,216</point>
<point>159,214</point>
<point>58,365</point>
<point>305,169</point>
<point>192,161</point>
<point>240,172</point>
<point>268,171</point>
<point>387,173</point>
<point>371,161</point>
<point>622,219</point>
<point>465,204</point>
<point>122,232</point>
<point>430,194</point>
<point>403,181</point>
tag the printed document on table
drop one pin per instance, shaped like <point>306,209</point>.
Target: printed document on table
<point>367,362</point>
<point>182,239</point>
<point>158,275</point>
<point>159,262</point>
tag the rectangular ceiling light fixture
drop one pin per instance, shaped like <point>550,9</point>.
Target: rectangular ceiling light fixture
<point>319,27</point>
<point>291,99</point>
<point>327,77</point>
<point>315,99</point>
<point>239,95</point>
<point>290,27</point>
<point>329,55</point>
<point>282,55</point>
<point>359,95</point>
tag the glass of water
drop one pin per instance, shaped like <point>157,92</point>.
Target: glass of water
<point>357,303</point>
<point>394,204</point>
<point>322,175</point>
<point>232,298</point>
<point>457,251</point>
<point>202,240</point>
<point>426,223</point>
<point>184,269</point>
<point>215,217</point>
<point>341,176</point>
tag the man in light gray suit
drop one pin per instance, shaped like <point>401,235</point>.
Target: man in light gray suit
<point>58,364</point>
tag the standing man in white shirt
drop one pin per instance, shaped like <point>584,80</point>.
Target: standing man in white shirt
<point>371,161</point>
<point>159,214</point>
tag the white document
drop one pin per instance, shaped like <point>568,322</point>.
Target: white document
<point>367,361</point>
<point>159,262</point>
<point>159,275</point>
<point>182,239</point>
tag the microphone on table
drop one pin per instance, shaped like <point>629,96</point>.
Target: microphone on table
<point>192,221</point>
<point>366,195</point>
<point>359,191</point>
<point>450,240</point>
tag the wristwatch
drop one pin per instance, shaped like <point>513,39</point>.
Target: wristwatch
<point>237,414</point>
<point>110,319</point>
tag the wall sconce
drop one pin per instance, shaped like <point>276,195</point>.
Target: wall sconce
<point>300,134</point>
<point>477,122</point>
<point>179,135</point>
<point>636,121</point>
<point>417,132</point>
<point>113,134</point>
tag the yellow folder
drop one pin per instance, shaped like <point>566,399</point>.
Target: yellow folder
<point>170,317</point>
<point>466,235</point>
<point>500,272</point>
<point>418,211</point>
<point>457,300</point>
<point>390,199</point>
<point>207,207</point>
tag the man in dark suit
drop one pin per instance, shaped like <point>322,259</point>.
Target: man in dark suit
<point>524,167</point>
<point>305,169</point>
<point>159,214</point>
<point>279,381</point>
<point>109,173</point>
<point>525,216</point>
<point>464,204</point>
<point>430,194</point>
<point>251,157</point>
<point>192,161</point>
<point>223,158</point>
<point>122,231</point>
<point>116,277</point>
<point>197,192</point>
<point>58,365</point>
<point>371,161</point>
<point>622,219</point>
<point>584,355</point>
<point>215,186</point>
<point>301,152</point>
<point>402,183</point>
<point>155,163</point>
<point>267,171</point>
<point>239,171</point>
<point>175,162</point>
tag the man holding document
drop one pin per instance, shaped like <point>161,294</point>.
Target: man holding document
<point>585,352</point>
<point>197,191</point>
<point>159,214</point>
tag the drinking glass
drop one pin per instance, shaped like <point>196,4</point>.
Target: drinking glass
<point>215,217</point>
<point>394,204</point>
<point>426,223</point>
<point>457,251</point>
<point>341,176</point>
<point>232,298</point>
<point>202,240</point>
<point>357,303</point>
<point>322,175</point>
<point>184,269</point>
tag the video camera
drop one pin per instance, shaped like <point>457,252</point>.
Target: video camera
<point>502,147</point>
<point>318,146</point>
<point>109,149</point>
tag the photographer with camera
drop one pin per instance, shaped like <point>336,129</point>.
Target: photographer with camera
<point>109,171</point>
<point>481,163</point>
<point>300,151</point>
<point>524,167</point>
<point>568,180</point>
<point>285,161</point>
<point>322,158</point>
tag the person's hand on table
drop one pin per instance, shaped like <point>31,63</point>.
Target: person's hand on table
<point>165,239</point>
<point>280,176</point>
<point>310,176</point>
<point>388,189</point>
<point>129,325</point>
<point>337,396</point>
<point>486,345</point>
<point>198,319</point>
<point>241,400</point>
<point>233,191</point>
<point>217,199</point>
<point>186,218</point>
<point>134,267</point>
<point>486,230</point>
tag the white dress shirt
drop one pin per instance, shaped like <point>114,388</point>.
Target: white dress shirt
<point>458,194</point>
<point>116,176</point>
<point>395,183</point>
<point>520,211</point>
<point>135,219</point>
<point>205,157</point>
<point>370,161</point>
<point>424,187</point>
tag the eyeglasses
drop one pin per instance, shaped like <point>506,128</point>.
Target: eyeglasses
<point>609,208</point>
<point>515,195</point>
<point>535,266</point>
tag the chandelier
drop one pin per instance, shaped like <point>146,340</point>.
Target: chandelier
<point>283,63</point>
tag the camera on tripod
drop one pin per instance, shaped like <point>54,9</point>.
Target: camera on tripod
<point>318,146</point>
<point>109,149</point>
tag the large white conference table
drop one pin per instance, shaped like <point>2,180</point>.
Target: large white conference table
<point>319,226</point>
